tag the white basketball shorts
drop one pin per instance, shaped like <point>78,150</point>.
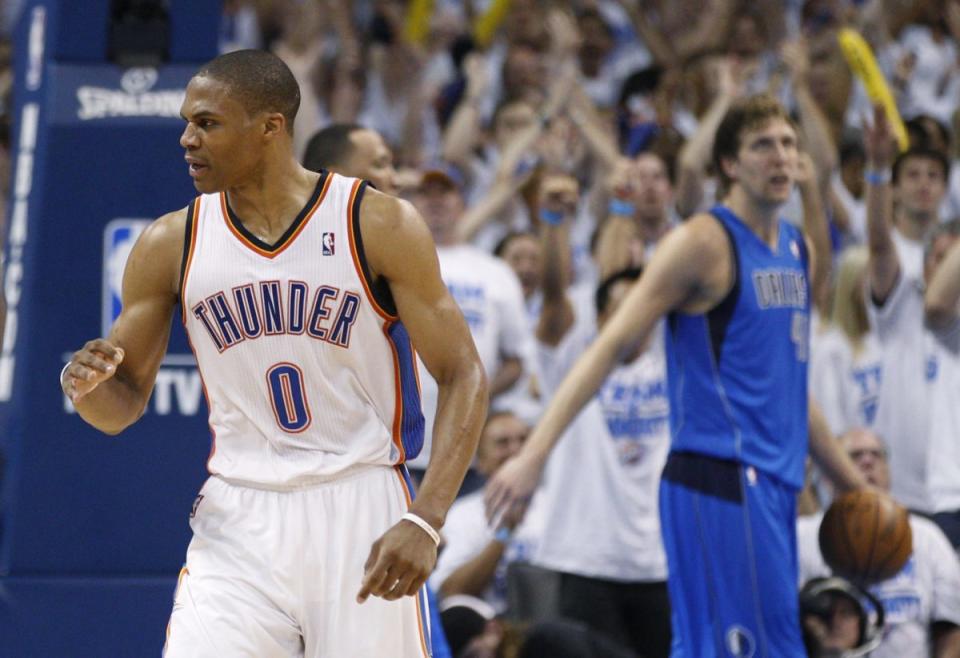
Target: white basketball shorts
<point>276,573</point>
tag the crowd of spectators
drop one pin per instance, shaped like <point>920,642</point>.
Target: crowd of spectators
<point>566,139</point>
<point>549,145</point>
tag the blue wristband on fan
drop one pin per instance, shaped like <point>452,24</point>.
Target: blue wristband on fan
<point>620,207</point>
<point>551,217</point>
<point>877,177</point>
<point>503,534</point>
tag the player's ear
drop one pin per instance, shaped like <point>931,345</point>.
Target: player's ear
<point>729,166</point>
<point>274,124</point>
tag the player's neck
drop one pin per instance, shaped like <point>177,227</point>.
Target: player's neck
<point>272,199</point>
<point>761,218</point>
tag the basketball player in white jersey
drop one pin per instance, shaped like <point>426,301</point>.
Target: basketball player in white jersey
<point>304,296</point>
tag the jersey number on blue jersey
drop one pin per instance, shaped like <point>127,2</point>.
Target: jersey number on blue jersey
<point>800,334</point>
<point>288,396</point>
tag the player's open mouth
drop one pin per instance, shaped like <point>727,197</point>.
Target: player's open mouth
<point>780,180</point>
<point>195,166</point>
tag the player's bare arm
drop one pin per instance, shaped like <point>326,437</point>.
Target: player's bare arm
<point>109,380</point>
<point>884,263</point>
<point>399,249</point>
<point>828,454</point>
<point>690,272</point>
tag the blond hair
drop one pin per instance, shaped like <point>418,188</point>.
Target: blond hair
<point>849,311</point>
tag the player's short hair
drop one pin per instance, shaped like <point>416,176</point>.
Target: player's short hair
<point>602,296</point>
<point>921,153</point>
<point>745,114</point>
<point>259,80</point>
<point>330,146</point>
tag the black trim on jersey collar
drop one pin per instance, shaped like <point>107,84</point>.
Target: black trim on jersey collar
<point>237,223</point>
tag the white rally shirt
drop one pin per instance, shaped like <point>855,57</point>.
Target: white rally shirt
<point>603,478</point>
<point>491,300</point>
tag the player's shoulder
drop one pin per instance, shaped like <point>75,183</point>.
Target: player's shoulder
<point>166,232</point>
<point>156,257</point>
<point>702,230</point>
<point>380,212</point>
<point>395,236</point>
<point>696,242</point>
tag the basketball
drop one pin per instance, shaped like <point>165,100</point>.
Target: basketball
<point>865,536</point>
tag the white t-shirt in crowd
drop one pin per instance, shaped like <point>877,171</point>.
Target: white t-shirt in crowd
<point>910,253</point>
<point>466,534</point>
<point>602,519</point>
<point>926,590</point>
<point>489,295</point>
<point>911,364</point>
<point>844,382</point>
<point>943,463</point>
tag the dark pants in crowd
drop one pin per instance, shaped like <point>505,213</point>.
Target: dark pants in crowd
<point>635,615</point>
<point>949,522</point>
<point>566,638</point>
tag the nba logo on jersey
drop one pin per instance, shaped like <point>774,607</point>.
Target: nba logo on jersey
<point>119,236</point>
<point>329,247</point>
<point>740,642</point>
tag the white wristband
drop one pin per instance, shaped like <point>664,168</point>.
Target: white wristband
<point>426,527</point>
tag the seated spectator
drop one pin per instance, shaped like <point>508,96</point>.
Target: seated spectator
<point>922,602</point>
<point>837,619</point>
<point>475,556</point>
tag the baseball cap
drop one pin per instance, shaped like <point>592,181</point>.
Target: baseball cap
<point>444,175</point>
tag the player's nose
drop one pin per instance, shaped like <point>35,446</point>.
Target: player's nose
<point>188,138</point>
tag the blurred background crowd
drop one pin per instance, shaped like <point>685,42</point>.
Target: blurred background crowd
<point>549,145</point>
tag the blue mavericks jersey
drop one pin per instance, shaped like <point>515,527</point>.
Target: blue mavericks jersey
<point>738,374</point>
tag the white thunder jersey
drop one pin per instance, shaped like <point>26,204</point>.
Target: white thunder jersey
<point>307,370</point>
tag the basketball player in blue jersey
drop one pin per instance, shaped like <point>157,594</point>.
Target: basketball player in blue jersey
<point>733,286</point>
<point>304,296</point>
